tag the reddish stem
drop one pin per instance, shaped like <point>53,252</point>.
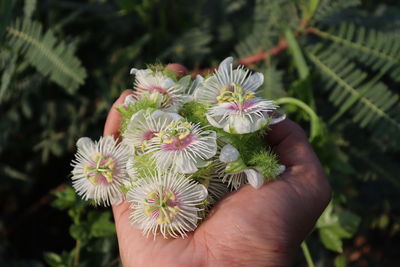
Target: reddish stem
<point>246,61</point>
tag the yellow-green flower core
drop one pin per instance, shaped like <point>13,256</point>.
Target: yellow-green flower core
<point>234,93</point>
<point>101,171</point>
<point>176,131</point>
<point>162,205</point>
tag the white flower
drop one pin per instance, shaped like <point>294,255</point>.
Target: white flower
<point>160,89</point>
<point>166,203</point>
<point>250,175</point>
<point>254,178</point>
<point>183,146</point>
<point>130,168</point>
<point>231,95</point>
<point>211,88</point>
<point>144,125</point>
<point>216,188</point>
<point>100,170</point>
<point>236,180</point>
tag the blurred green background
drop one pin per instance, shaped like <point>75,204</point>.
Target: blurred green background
<point>333,66</point>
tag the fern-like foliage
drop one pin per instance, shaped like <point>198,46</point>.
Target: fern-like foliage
<point>273,87</point>
<point>48,55</point>
<point>8,68</point>
<point>330,8</point>
<point>194,44</point>
<point>377,50</point>
<point>29,8</point>
<point>373,105</point>
<point>267,19</point>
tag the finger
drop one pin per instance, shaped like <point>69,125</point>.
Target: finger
<point>290,143</point>
<point>121,211</point>
<point>113,121</point>
<point>304,171</point>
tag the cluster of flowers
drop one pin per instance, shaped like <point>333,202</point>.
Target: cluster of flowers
<point>185,144</point>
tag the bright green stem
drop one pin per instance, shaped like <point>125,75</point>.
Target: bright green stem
<point>307,254</point>
<point>298,57</point>
<point>314,120</point>
<point>304,88</point>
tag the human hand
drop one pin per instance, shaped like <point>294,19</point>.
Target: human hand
<point>252,227</point>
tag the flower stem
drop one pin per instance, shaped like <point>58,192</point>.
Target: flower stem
<point>307,254</point>
<point>315,126</point>
<point>77,253</point>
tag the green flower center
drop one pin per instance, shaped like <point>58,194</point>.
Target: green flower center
<point>101,171</point>
<point>157,97</point>
<point>175,132</point>
<point>162,205</point>
<point>234,93</point>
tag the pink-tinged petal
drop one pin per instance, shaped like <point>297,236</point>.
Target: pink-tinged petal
<point>148,135</point>
<point>179,144</point>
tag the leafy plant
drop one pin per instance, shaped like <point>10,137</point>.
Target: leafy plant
<point>332,65</point>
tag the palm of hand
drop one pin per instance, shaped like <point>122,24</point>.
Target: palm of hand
<point>248,227</point>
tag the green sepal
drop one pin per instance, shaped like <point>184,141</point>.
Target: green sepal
<point>236,166</point>
<point>125,188</point>
<point>194,112</point>
<point>205,207</point>
<point>144,165</point>
<point>128,111</point>
<point>266,162</point>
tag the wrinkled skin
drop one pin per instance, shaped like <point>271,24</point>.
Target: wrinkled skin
<point>249,227</point>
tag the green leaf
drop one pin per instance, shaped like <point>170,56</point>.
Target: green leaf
<point>5,14</point>
<point>65,198</point>
<point>8,73</point>
<point>376,107</point>
<point>53,259</point>
<point>378,50</point>
<point>57,260</point>
<point>29,8</point>
<point>13,173</point>
<point>349,221</point>
<point>311,8</point>
<point>101,224</point>
<point>330,8</point>
<point>330,239</point>
<point>340,261</point>
<point>335,226</point>
<point>47,54</point>
<point>195,44</point>
<point>79,231</point>
<point>273,82</point>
